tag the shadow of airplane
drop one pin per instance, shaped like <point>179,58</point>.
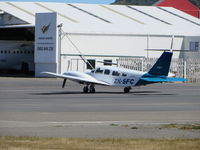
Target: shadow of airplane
<point>103,93</point>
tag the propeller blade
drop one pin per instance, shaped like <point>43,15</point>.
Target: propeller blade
<point>64,81</point>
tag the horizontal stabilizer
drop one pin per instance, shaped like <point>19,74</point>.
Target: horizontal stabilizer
<point>174,50</point>
<point>164,79</point>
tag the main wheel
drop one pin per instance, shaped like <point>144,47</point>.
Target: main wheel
<point>127,89</point>
<point>92,89</point>
<point>85,89</point>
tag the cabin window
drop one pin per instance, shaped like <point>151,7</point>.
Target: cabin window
<point>124,75</point>
<point>194,46</point>
<point>115,73</point>
<point>99,71</point>
<point>107,72</point>
<point>1,52</point>
<point>90,64</point>
<point>107,62</point>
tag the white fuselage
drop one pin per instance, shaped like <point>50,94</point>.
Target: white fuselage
<point>116,76</point>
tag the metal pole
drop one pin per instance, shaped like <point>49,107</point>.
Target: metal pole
<point>142,64</point>
<point>59,47</point>
<point>147,46</point>
<point>185,69</point>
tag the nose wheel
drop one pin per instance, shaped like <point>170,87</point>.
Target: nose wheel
<point>89,88</point>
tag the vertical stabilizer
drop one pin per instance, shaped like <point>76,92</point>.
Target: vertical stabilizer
<point>161,67</point>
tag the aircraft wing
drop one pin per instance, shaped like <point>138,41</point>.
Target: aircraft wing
<point>77,76</point>
<point>157,79</point>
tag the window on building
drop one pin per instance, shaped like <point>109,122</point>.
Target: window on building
<point>194,46</point>
<point>90,64</point>
<point>107,62</point>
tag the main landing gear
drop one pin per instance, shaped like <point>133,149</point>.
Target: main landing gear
<point>89,88</point>
<point>127,89</point>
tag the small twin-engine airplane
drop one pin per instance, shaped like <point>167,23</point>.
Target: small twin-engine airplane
<point>116,76</point>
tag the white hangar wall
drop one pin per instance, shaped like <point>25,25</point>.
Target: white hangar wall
<point>103,31</point>
<point>195,54</point>
<point>111,47</point>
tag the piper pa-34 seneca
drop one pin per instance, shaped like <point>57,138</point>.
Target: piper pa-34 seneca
<point>126,78</point>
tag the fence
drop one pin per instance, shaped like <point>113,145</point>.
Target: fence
<point>188,68</point>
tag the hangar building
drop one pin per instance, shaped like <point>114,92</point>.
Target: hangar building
<point>60,32</point>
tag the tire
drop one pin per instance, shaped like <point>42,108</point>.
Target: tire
<point>25,68</point>
<point>92,90</point>
<point>126,90</point>
<point>85,89</point>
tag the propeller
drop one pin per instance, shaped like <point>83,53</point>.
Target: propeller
<point>64,81</point>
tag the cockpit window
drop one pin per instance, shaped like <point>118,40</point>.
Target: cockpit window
<point>115,73</point>
<point>107,72</point>
<point>92,71</point>
<point>99,70</point>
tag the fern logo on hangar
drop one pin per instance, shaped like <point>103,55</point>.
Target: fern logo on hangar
<point>45,28</point>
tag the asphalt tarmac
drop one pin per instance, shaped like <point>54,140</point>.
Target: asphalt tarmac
<point>40,107</point>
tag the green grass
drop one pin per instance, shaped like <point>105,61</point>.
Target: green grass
<point>39,143</point>
<point>134,127</point>
<point>181,126</point>
<point>113,124</point>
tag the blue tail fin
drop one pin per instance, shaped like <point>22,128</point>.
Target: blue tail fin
<point>161,67</point>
